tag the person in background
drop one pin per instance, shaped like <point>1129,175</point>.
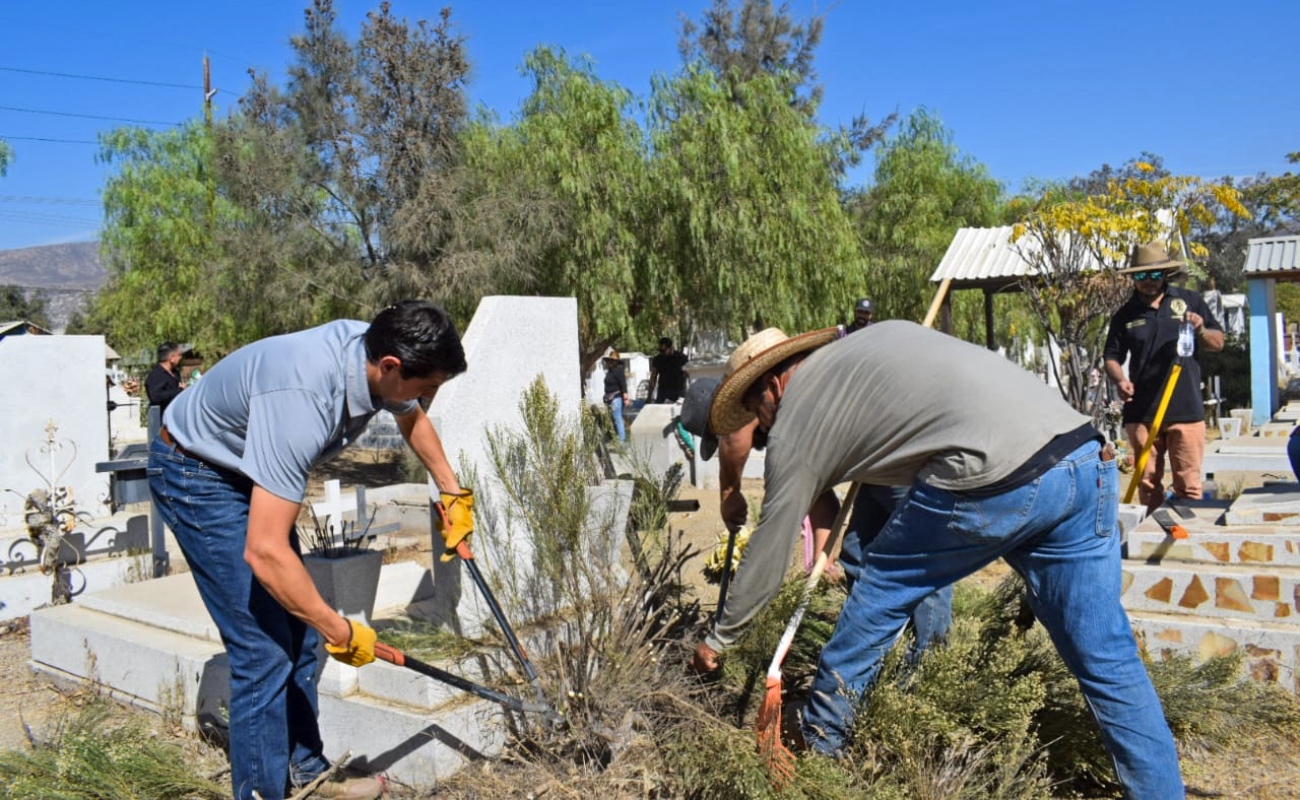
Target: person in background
<point>667,373</point>
<point>1145,331</point>
<point>863,314</point>
<point>616,391</point>
<point>228,472</point>
<point>164,381</point>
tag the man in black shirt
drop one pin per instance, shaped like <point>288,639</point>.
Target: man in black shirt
<point>667,371</point>
<point>1145,330</point>
<point>164,380</point>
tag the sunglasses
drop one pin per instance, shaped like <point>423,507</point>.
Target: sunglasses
<point>1149,275</point>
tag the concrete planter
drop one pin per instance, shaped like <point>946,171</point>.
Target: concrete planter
<point>349,582</point>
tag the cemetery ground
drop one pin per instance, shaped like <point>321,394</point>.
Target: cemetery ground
<point>1254,765</point>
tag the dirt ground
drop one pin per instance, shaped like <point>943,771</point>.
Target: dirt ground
<point>1258,770</point>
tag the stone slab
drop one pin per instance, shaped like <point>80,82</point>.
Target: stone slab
<point>1255,544</point>
<point>1275,504</point>
<point>1262,592</point>
<point>1272,651</point>
<point>411,746</point>
<point>142,664</point>
<point>653,439</point>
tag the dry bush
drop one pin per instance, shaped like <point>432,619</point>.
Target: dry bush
<point>91,756</point>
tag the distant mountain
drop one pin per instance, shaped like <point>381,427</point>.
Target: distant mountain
<point>67,273</point>
<point>54,266</point>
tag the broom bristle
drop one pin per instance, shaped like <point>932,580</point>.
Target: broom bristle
<point>778,757</point>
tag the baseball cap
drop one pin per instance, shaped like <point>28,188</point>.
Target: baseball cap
<point>695,415</point>
<point>864,305</point>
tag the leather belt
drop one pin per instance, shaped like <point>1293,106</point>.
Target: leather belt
<point>167,439</point>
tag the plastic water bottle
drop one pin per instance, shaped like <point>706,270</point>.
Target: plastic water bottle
<point>1186,339</point>
<point>1209,489</point>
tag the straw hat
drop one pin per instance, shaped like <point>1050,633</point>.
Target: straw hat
<point>1151,256</point>
<point>757,355</point>
<point>610,355</point>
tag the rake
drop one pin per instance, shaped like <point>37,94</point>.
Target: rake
<point>775,754</point>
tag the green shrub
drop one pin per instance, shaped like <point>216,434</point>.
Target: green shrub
<point>91,758</point>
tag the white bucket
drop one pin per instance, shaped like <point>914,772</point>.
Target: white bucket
<point>1229,428</point>
<point>1245,415</point>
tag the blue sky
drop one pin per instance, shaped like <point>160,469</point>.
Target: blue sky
<point>1031,89</point>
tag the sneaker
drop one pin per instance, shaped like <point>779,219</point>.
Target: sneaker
<point>344,788</point>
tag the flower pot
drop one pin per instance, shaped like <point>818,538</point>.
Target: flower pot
<point>348,582</point>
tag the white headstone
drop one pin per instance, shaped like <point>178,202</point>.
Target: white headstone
<point>53,381</point>
<point>509,343</point>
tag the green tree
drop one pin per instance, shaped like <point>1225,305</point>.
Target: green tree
<point>18,303</point>
<point>6,157</point>
<point>157,243</point>
<point>580,157</point>
<point>924,191</point>
<point>348,172</point>
<point>750,217</point>
<point>758,38</point>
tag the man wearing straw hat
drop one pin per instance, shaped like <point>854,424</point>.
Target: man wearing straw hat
<point>879,407</point>
<point>1145,330</point>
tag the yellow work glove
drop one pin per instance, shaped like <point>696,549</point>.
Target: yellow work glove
<point>360,649</point>
<point>456,520</point>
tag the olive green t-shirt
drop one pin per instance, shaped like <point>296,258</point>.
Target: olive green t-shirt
<point>893,404</point>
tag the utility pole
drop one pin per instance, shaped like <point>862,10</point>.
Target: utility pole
<point>207,93</point>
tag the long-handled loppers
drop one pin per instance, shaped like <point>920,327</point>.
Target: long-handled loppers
<point>467,556</point>
<point>392,655</point>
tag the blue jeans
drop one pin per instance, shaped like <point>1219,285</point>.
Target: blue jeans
<point>616,411</point>
<point>274,656</point>
<point>872,509</point>
<point>1060,532</point>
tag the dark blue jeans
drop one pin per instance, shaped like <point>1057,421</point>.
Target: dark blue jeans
<point>1061,533</point>
<point>872,509</point>
<point>273,655</point>
<point>1293,451</point>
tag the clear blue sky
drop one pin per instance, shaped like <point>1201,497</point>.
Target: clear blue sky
<point>1032,89</point>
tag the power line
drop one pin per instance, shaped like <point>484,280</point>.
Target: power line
<point>7,138</point>
<point>58,201</point>
<point>86,116</point>
<point>101,78</point>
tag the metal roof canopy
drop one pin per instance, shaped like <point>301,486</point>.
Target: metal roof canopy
<point>984,258</point>
<point>1272,255</point>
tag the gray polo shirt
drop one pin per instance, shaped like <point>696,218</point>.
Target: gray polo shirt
<point>273,409</point>
<point>892,404</point>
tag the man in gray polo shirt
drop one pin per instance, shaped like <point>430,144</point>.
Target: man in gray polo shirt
<point>229,471</point>
<point>899,405</point>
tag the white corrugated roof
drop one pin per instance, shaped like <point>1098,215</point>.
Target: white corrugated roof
<point>1273,254</point>
<point>982,255</point>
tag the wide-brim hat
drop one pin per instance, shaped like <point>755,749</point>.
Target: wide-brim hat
<point>1150,256</point>
<point>611,355</point>
<point>695,415</point>
<point>755,356</point>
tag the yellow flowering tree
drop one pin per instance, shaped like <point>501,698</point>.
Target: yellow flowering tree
<point>1075,244</point>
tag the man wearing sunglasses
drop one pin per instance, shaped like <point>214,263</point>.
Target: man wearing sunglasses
<point>1145,331</point>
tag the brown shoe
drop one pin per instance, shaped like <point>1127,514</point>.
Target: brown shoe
<point>344,788</point>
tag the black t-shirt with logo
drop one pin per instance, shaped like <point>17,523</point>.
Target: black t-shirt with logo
<point>1148,337</point>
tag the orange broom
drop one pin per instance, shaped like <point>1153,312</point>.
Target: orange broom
<point>778,757</point>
